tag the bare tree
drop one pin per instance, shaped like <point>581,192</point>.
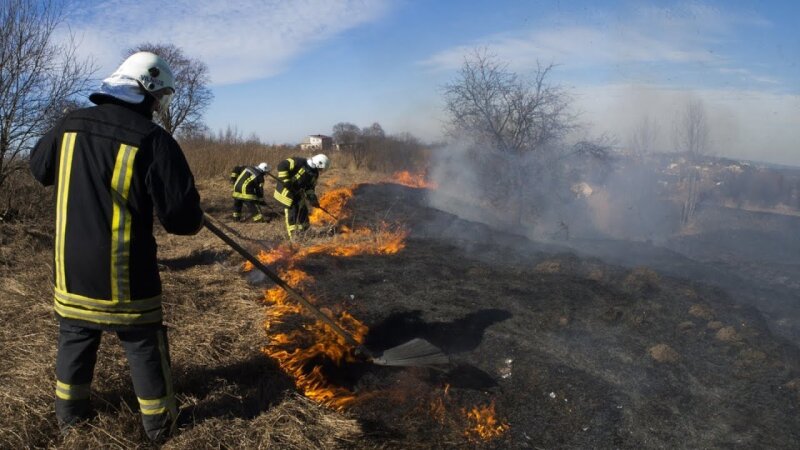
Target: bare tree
<point>692,139</point>
<point>192,94</point>
<point>517,119</point>
<point>691,131</point>
<point>349,140</point>
<point>374,140</point>
<point>346,133</point>
<point>643,139</point>
<point>374,131</point>
<point>39,78</point>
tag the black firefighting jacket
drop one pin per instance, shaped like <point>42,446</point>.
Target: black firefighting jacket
<point>235,172</point>
<point>112,168</point>
<point>295,179</point>
<point>249,185</point>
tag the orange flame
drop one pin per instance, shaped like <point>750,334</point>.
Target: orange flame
<point>334,202</point>
<point>483,423</point>
<point>438,409</point>
<point>325,344</point>
<point>268,257</point>
<point>406,178</point>
<point>362,241</point>
<point>300,353</point>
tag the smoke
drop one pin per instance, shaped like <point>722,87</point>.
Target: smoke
<point>462,191</point>
<point>752,125</point>
<point>564,196</point>
<point>631,205</point>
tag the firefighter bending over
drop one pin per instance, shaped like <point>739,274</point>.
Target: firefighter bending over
<point>248,189</point>
<point>112,167</point>
<point>297,179</point>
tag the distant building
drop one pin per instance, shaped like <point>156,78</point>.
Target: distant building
<point>317,142</point>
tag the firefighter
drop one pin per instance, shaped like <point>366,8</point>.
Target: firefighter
<point>248,189</point>
<point>294,189</point>
<point>112,167</point>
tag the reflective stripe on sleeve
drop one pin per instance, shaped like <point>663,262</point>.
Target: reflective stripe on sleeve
<point>283,197</point>
<point>64,173</point>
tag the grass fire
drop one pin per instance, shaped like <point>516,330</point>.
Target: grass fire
<point>555,264</point>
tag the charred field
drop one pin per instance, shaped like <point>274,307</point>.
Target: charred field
<point>551,346</point>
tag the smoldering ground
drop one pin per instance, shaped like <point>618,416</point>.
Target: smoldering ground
<point>627,209</point>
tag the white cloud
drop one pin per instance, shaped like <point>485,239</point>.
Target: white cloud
<point>673,36</point>
<point>239,40</point>
<point>576,46</point>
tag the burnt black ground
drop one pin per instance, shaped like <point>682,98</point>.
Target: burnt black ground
<point>567,346</point>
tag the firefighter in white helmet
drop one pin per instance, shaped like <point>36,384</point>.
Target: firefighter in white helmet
<point>248,189</point>
<point>295,188</point>
<point>112,168</point>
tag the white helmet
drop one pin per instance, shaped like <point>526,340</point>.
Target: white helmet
<point>320,162</point>
<point>263,167</point>
<point>151,72</point>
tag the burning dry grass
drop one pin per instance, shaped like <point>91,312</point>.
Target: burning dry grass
<point>415,180</point>
<point>301,353</point>
<point>484,424</point>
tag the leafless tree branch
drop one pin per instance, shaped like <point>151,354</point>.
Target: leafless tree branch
<point>192,94</point>
<point>39,78</point>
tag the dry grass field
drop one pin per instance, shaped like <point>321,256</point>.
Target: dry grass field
<point>549,350</point>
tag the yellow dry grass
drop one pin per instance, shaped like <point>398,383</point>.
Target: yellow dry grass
<point>231,395</point>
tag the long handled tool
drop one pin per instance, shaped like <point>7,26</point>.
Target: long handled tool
<point>416,352</point>
<point>328,213</point>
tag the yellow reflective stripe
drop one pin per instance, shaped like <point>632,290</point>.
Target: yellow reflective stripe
<point>283,197</point>
<point>154,406</point>
<point>245,184</point>
<point>243,174</point>
<point>66,391</point>
<point>69,299</point>
<point>121,223</point>
<point>245,196</point>
<point>300,173</point>
<point>106,317</point>
<point>283,174</point>
<point>289,228</point>
<point>291,163</point>
<point>240,192</point>
<point>172,406</point>
<point>64,173</point>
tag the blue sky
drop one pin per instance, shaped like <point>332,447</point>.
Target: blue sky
<point>285,69</point>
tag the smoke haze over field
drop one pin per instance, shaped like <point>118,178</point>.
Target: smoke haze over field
<point>750,125</point>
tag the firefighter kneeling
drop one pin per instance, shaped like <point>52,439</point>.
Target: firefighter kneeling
<point>297,179</point>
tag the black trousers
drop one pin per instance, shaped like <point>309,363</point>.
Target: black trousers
<point>253,205</point>
<point>147,350</point>
<point>297,216</point>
